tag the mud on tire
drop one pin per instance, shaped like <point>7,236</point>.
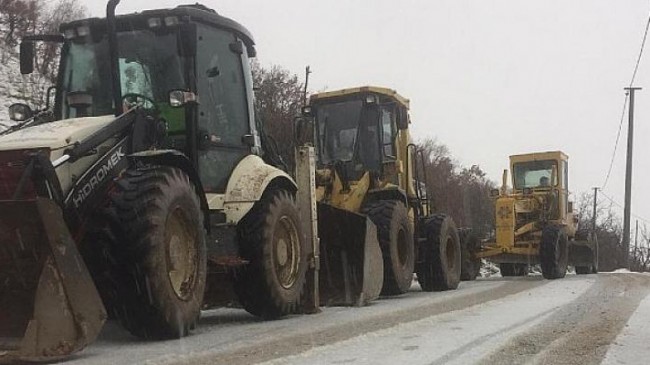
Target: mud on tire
<point>161,250</point>
<point>554,252</point>
<point>395,237</point>
<point>271,284</point>
<point>440,267</point>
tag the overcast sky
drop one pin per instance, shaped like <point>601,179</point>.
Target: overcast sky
<point>488,78</point>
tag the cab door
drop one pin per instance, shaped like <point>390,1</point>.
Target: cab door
<point>224,116</point>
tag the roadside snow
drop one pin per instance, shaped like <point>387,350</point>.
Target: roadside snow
<point>459,337</point>
<point>632,345</point>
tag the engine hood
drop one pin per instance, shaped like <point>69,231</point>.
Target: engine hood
<point>54,135</point>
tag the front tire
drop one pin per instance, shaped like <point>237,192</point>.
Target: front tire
<point>440,267</point>
<point>554,252</point>
<point>470,265</point>
<point>162,252</point>
<point>395,237</point>
<point>270,238</point>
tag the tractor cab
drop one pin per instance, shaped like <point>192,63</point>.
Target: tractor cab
<point>186,68</point>
<point>356,130</point>
<point>541,179</point>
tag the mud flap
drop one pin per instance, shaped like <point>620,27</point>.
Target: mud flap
<point>49,306</point>
<point>352,267</point>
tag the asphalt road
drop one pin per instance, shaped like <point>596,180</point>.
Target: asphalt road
<point>590,319</point>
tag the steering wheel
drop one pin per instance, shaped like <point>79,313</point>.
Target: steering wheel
<point>133,100</point>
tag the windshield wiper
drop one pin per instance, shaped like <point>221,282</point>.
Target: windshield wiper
<point>35,120</point>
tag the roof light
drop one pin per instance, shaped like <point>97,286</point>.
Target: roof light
<point>69,33</point>
<point>154,22</point>
<point>371,99</point>
<point>171,20</point>
<point>83,31</point>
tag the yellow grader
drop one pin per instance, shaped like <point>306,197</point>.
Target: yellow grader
<point>374,219</point>
<point>535,222</point>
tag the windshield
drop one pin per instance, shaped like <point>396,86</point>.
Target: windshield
<point>149,66</point>
<point>533,174</point>
<point>337,128</point>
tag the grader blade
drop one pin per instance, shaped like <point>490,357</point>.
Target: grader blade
<point>49,306</point>
<point>352,267</point>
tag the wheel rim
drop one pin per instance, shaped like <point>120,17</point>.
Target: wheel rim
<point>181,249</point>
<point>286,248</point>
<point>450,253</point>
<point>402,248</point>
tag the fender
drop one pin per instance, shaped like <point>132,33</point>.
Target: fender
<point>249,180</point>
<point>390,192</point>
<point>173,158</point>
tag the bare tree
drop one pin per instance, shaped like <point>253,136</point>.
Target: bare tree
<point>278,98</point>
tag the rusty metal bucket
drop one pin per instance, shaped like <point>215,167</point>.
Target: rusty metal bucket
<point>352,267</point>
<point>49,306</point>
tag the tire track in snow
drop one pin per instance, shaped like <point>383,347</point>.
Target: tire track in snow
<point>283,344</point>
<point>463,336</point>
<point>582,331</point>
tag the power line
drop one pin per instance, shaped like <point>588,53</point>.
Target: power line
<point>618,136</point>
<point>621,206</point>
<point>620,124</point>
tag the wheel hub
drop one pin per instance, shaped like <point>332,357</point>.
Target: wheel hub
<point>286,252</point>
<point>181,247</point>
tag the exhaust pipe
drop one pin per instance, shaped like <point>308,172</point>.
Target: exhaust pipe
<point>111,28</point>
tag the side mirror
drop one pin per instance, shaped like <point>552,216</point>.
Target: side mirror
<point>26,57</point>
<point>307,111</point>
<point>20,112</point>
<point>303,129</point>
<point>179,98</point>
<point>402,119</point>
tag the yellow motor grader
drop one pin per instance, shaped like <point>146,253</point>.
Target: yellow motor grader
<point>535,222</point>
<point>374,219</point>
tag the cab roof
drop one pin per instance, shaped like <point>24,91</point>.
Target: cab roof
<point>362,90</point>
<point>185,13</point>
<point>537,156</point>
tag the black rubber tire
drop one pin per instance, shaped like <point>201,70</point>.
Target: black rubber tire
<point>470,266</point>
<point>510,269</point>
<point>257,284</point>
<point>440,267</point>
<point>554,252</point>
<point>149,203</point>
<point>98,251</point>
<point>395,236</point>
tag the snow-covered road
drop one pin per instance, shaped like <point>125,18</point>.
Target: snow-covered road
<point>577,320</point>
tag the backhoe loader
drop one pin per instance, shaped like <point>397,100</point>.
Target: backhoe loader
<point>375,222</point>
<point>148,191</point>
<point>535,222</point>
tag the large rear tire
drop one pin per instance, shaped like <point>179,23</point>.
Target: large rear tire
<point>160,246</point>
<point>395,237</point>
<point>440,267</point>
<point>270,238</point>
<point>470,265</point>
<point>554,252</point>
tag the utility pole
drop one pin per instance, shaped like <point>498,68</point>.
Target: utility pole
<point>593,217</point>
<point>628,178</point>
<point>636,241</point>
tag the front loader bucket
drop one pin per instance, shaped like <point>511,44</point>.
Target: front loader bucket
<point>352,267</point>
<point>49,306</point>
